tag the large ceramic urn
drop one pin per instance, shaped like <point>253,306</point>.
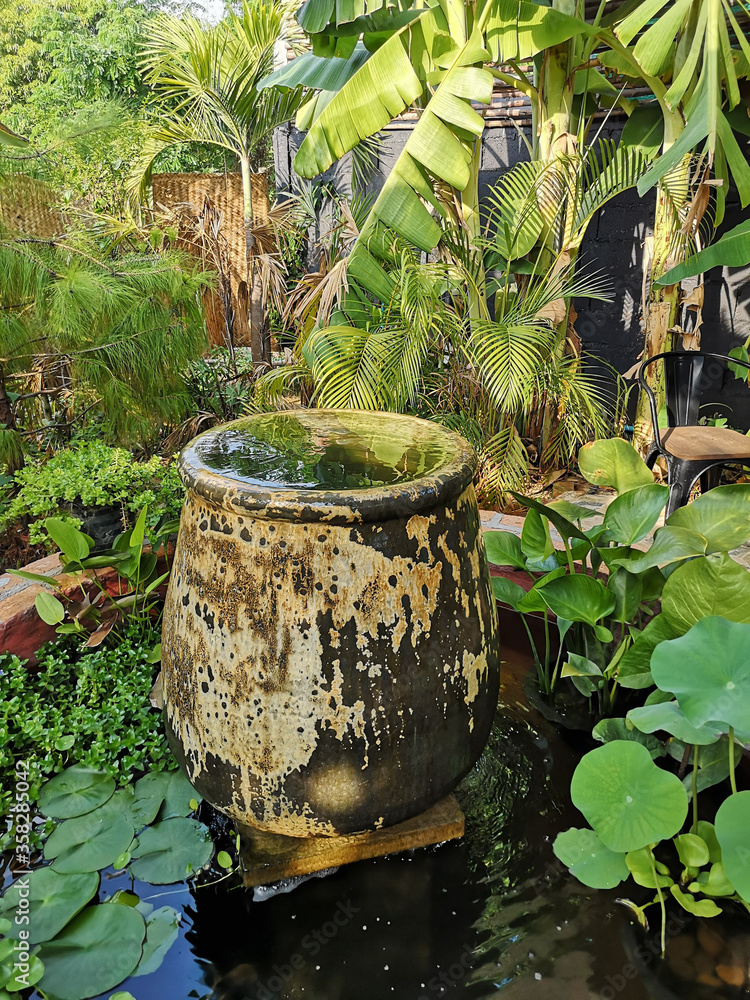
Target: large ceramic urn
<point>330,651</point>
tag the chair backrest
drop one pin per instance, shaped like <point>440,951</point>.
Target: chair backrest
<point>683,375</point>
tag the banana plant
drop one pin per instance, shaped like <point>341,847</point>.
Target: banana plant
<point>693,56</point>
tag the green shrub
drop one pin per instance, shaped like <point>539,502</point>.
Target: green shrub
<point>94,475</point>
<point>92,709</point>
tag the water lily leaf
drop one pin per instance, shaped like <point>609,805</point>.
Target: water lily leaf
<point>171,851</point>
<point>504,549</point>
<point>668,717</point>
<point>75,791</point>
<point>626,798</point>
<point>692,850</point>
<point>670,545</point>
<point>577,598</point>
<point>645,869</point>
<point>721,515</point>
<point>162,928</point>
<point>634,669</point>
<point>589,860</point>
<point>506,591</point>
<point>713,585</point>
<point>140,803</point>
<point>618,729</point>
<point>54,900</point>
<point>631,516</point>
<point>614,462</point>
<point>88,843</point>
<point>20,980</point>
<point>732,823</point>
<point>94,953</point>
<point>708,687</point>
<point>179,794</point>
<point>700,907</point>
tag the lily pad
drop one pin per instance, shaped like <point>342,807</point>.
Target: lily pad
<point>171,851</point>
<point>732,824</point>
<point>627,799</point>
<point>162,928</point>
<point>54,900</point>
<point>667,717</point>
<point>94,953</point>
<point>178,796</point>
<point>713,585</point>
<point>75,791</point>
<point>589,860</point>
<point>708,670</point>
<point>88,843</point>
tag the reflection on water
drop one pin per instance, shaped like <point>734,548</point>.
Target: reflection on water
<point>494,916</point>
<point>305,450</point>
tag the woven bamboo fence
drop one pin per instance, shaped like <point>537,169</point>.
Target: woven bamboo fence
<point>189,191</point>
<point>30,207</point>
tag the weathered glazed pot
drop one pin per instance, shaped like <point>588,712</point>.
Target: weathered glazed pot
<point>330,652</point>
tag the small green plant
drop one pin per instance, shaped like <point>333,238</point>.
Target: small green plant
<point>82,948</point>
<point>91,709</point>
<point>702,706</point>
<point>92,474</point>
<point>95,617</point>
<point>608,625</point>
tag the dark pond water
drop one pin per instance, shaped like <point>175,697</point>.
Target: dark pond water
<point>314,451</point>
<point>491,916</point>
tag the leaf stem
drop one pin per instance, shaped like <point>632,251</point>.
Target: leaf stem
<point>732,776</point>
<point>695,788</point>
<point>661,903</point>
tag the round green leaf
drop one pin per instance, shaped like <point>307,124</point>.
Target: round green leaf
<point>589,860</point>
<point>19,980</point>
<point>713,585</point>
<point>732,825</point>
<point>65,742</point>
<point>631,516</point>
<point>577,598</point>
<point>721,515</point>
<point>708,671</point>
<point>122,995</point>
<point>162,928</point>
<point>94,953</point>
<point>614,462</point>
<point>668,718</point>
<point>618,729</point>
<point>692,850</point>
<point>646,870</point>
<point>75,791</point>
<point>54,899</point>
<point>627,799</point>
<point>700,907</point>
<point>171,851</point>
<point>88,843</point>
<point>224,860</point>
<point>714,882</point>
<point>178,796</point>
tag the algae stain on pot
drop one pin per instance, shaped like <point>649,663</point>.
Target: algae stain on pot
<point>321,677</point>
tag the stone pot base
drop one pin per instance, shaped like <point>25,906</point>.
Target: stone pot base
<point>269,857</point>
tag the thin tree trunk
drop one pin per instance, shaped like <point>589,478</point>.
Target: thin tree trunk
<point>256,306</point>
<point>473,223</point>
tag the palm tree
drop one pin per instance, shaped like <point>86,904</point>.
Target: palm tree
<point>207,79</point>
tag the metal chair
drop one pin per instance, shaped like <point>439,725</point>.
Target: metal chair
<point>691,452</point>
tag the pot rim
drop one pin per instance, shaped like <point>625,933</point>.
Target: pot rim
<point>380,503</point>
